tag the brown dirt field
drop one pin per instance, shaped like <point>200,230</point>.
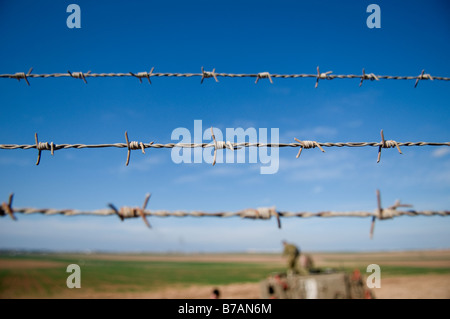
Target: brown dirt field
<point>25,283</point>
<point>432,258</point>
<point>28,264</point>
<point>258,258</point>
<point>406,287</point>
<point>415,287</point>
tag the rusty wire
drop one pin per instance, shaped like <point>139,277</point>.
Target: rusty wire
<point>264,213</point>
<point>133,145</point>
<point>212,74</point>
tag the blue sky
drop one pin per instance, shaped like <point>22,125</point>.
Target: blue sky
<point>233,37</point>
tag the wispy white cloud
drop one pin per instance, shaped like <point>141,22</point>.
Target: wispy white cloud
<point>315,174</point>
<point>438,176</point>
<point>22,162</point>
<point>317,189</point>
<point>310,133</point>
<point>315,167</point>
<point>217,171</point>
<point>245,124</point>
<point>441,152</point>
<point>354,124</point>
<point>340,104</point>
<point>142,164</point>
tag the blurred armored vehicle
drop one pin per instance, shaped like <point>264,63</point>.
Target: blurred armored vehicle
<point>316,284</point>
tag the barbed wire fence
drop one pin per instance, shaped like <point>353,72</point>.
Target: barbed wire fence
<point>212,74</point>
<point>264,213</point>
<point>217,145</point>
<point>258,213</point>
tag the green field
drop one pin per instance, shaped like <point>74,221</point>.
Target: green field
<point>44,275</point>
<point>123,276</point>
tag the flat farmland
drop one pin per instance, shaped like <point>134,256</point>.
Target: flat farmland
<point>409,274</point>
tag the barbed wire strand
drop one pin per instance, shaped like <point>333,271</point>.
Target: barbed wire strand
<point>134,145</point>
<point>212,74</point>
<point>249,213</point>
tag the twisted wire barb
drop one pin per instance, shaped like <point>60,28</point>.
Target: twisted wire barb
<point>217,145</point>
<point>212,74</point>
<point>250,213</point>
<point>259,213</point>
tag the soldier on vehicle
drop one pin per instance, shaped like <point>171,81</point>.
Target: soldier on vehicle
<point>292,253</point>
<point>307,263</point>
